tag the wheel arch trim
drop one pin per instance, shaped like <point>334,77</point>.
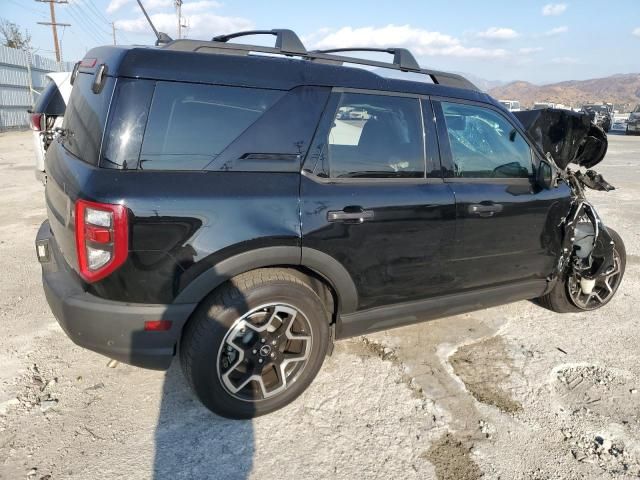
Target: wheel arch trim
<point>322,264</point>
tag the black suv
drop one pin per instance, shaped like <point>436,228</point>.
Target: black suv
<point>244,210</point>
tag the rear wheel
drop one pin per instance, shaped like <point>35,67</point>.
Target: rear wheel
<point>255,343</point>
<point>567,295</point>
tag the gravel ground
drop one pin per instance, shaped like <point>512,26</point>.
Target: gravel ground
<point>513,392</point>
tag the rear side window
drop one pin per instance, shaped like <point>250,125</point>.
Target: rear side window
<point>189,125</point>
<point>85,118</point>
<point>376,136</point>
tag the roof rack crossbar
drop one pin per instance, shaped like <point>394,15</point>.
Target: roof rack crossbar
<point>286,40</point>
<point>402,57</point>
<point>437,77</point>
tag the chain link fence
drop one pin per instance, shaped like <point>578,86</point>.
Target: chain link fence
<point>22,78</point>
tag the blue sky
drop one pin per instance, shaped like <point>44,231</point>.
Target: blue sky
<point>504,40</point>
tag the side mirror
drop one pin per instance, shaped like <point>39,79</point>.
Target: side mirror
<point>546,176</point>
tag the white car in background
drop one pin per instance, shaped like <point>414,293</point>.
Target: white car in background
<point>543,105</point>
<point>47,115</point>
<point>511,105</point>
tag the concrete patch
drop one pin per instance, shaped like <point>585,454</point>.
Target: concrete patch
<point>451,457</point>
<point>485,368</point>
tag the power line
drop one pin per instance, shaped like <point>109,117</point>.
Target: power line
<point>54,24</point>
<point>30,9</point>
<point>101,18</point>
<point>88,32</point>
<point>99,14</point>
<point>93,24</point>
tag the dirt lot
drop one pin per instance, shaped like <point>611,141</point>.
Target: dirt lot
<point>514,392</point>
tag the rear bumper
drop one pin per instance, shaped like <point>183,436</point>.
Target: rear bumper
<point>114,329</point>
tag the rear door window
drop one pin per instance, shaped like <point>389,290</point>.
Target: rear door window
<point>376,136</point>
<point>189,125</point>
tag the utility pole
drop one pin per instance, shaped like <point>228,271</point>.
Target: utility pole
<point>113,32</point>
<point>178,4</point>
<point>54,24</point>
<point>185,26</point>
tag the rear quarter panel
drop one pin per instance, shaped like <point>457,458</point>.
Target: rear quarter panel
<point>181,223</point>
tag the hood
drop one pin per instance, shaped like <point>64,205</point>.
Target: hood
<point>570,137</point>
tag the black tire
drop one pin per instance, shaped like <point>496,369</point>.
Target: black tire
<point>559,300</point>
<point>201,347</point>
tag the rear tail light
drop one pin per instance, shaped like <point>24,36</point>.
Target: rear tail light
<point>102,238</point>
<point>37,121</point>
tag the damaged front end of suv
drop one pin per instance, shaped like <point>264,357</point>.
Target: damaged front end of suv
<point>590,261</point>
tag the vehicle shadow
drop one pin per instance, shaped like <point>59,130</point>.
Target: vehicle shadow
<point>191,442</point>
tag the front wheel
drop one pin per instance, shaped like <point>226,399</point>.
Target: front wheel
<point>567,295</point>
<point>255,343</point>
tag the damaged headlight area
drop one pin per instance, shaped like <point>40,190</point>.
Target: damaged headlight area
<point>587,247</point>
<point>567,137</point>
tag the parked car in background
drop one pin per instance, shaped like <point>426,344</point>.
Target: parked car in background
<point>358,114</point>
<point>600,115</point>
<point>542,105</point>
<point>511,105</point>
<point>620,122</point>
<point>47,115</point>
<point>633,122</point>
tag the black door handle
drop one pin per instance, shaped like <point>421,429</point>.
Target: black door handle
<point>350,215</point>
<point>488,210</point>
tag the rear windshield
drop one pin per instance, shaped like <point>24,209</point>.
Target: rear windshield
<point>50,101</point>
<point>85,118</point>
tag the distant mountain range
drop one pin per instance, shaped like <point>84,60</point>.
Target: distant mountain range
<point>482,83</point>
<point>622,89</point>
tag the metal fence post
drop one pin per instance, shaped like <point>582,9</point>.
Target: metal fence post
<point>29,77</point>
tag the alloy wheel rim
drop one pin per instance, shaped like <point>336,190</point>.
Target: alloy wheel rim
<point>264,352</point>
<point>604,289</point>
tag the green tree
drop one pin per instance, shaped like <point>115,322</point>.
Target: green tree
<point>13,37</point>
